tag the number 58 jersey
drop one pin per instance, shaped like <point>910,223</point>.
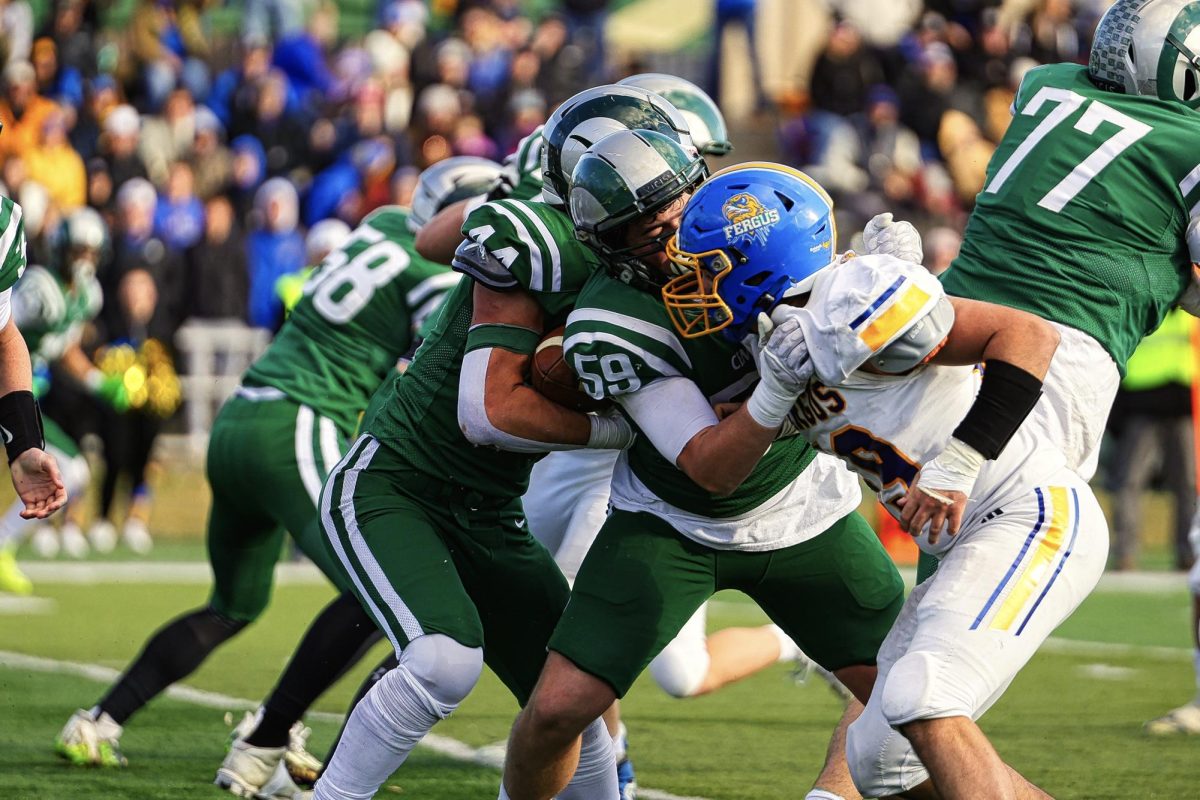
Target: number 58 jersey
<point>885,427</point>
<point>1083,212</point>
<point>359,314</point>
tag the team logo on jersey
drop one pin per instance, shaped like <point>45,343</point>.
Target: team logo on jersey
<point>748,218</point>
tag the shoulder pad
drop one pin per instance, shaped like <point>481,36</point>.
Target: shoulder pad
<point>863,305</point>
<point>38,301</point>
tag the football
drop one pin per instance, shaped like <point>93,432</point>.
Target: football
<point>552,377</point>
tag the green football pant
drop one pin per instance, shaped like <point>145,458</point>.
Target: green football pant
<point>835,595</point>
<point>267,460</point>
<point>424,556</point>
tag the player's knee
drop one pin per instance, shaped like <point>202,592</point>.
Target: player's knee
<point>880,760</point>
<point>680,670</point>
<point>908,692</point>
<point>445,669</point>
<point>862,758</point>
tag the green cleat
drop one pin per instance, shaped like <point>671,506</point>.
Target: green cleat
<point>12,579</point>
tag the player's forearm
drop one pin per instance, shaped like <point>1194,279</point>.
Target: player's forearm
<point>16,372</point>
<point>78,365</point>
<point>439,237</point>
<point>721,457</point>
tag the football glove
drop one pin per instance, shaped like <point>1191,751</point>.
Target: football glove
<point>783,366</point>
<point>111,389</point>
<point>882,236</point>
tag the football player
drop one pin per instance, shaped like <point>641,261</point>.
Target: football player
<point>271,446</point>
<point>699,504</point>
<point>888,364</point>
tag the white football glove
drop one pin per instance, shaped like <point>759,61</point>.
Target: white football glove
<point>781,384</point>
<point>1190,301</point>
<point>882,236</point>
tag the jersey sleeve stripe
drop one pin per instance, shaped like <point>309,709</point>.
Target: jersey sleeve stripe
<point>583,338</point>
<point>551,247</point>
<point>1190,181</point>
<point>876,303</point>
<point>650,331</point>
<point>436,284</point>
<point>536,280</point>
<point>895,319</point>
<point>12,227</point>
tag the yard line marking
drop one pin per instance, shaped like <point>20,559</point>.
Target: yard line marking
<point>487,756</point>
<point>19,606</point>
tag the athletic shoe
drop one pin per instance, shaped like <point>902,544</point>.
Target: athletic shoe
<point>281,787</point>
<point>12,580</point>
<point>247,769</point>
<point>136,536</point>
<point>44,541</point>
<point>1185,719</point>
<point>86,741</point>
<point>102,534</point>
<point>302,765</point>
<point>74,544</point>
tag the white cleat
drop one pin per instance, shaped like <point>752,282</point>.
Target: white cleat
<point>1185,720</point>
<point>44,541</point>
<point>302,765</point>
<point>247,770</point>
<point>90,741</point>
<point>74,544</point>
<point>102,534</point>
<point>281,787</point>
<point>136,536</point>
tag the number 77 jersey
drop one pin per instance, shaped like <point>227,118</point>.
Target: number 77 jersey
<point>359,313</point>
<point>1082,216</point>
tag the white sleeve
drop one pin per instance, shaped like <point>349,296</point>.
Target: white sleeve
<point>472,411</point>
<point>5,307</point>
<point>687,413</point>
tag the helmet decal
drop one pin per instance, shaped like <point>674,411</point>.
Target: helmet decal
<point>748,219</point>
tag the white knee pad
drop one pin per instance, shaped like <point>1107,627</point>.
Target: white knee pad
<point>682,665</point>
<point>881,761</point>
<point>445,669</point>
<point>909,691</point>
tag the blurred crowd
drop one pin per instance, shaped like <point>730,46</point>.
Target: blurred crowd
<point>904,118</point>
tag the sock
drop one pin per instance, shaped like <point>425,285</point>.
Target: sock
<point>333,643</point>
<point>382,730</point>
<point>821,794</point>
<point>375,676</point>
<point>596,776</point>
<point>170,655</point>
<point>620,742</point>
<point>788,650</point>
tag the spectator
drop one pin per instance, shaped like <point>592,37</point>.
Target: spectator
<point>16,23</point>
<point>169,136</point>
<point>742,13</point>
<point>120,143</point>
<point>249,171</point>
<point>75,44</point>
<point>273,19</point>
<point>61,83</point>
<point>586,20</point>
<point>281,134</point>
<point>137,247</point>
<point>1153,412</point>
<point>275,248</point>
<point>168,47</point>
<point>101,98</point>
<point>929,90</point>
<point>233,92</point>
<point>390,62</point>
<point>561,71</point>
<point>40,220</point>
<point>179,215</point>
<point>941,248</point>
<point>844,72</point>
<point>218,277</point>
<point>100,186</point>
<point>1049,36</point>
<point>303,56</point>
<point>55,165</point>
<point>22,110</point>
<point>211,161</point>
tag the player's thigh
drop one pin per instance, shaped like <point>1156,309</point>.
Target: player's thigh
<point>243,547</point>
<point>640,582</point>
<point>516,587</point>
<point>392,548</point>
<point>997,595</point>
<point>836,595</point>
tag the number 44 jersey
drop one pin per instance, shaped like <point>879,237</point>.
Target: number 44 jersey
<point>1082,216</point>
<point>885,427</point>
<point>359,314</point>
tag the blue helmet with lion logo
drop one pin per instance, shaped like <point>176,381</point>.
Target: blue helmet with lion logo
<point>747,235</point>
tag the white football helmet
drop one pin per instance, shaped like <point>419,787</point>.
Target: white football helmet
<point>447,182</point>
<point>1149,47</point>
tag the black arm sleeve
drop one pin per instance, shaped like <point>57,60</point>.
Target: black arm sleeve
<point>1006,396</point>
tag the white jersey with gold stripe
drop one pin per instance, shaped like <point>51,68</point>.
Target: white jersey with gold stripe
<point>885,427</point>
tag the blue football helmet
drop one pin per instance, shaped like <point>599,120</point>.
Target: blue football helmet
<point>748,234</point>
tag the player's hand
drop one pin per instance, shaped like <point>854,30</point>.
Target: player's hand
<point>38,483</point>
<point>939,508</point>
<point>883,236</point>
<point>111,390</point>
<point>783,348</point>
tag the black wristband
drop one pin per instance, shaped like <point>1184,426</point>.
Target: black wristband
<point>1006,396</point>
<point>20,424</point>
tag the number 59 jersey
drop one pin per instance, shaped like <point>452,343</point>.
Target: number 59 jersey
<point>359,314</point>
<point>885,427</point>
<point>1082,216</point>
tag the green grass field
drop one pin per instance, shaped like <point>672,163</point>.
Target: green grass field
<point>1071,721</point>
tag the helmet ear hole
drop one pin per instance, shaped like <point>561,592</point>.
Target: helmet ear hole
<point>757,279</point>
<point>1190,85</point>
<point>1132,56</point>
<point>787,201</point>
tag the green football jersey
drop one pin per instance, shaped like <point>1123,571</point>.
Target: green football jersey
<point>417,414</point>
<point>12,243</point>
<point>358,315</point>
<point>620,338</point>
<point>51,315</point>
<point>1082,217</point>
<point>524,167</point>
